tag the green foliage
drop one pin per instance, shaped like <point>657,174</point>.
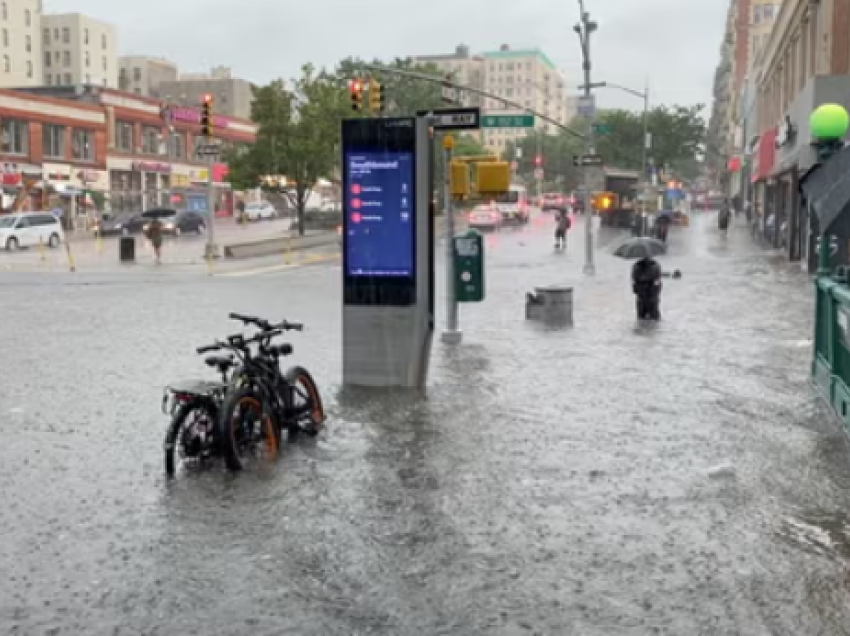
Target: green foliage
<point>557,152</point>
<point>678,134</point>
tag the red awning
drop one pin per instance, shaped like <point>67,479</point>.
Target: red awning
<point>766,154</point>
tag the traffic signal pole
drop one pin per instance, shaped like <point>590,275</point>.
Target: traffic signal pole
<point>452,334</point>
<point>584,29</point>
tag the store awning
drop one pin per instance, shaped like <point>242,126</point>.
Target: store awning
<point>827,188</point>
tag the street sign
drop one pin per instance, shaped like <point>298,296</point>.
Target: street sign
<point>507,121</point>
<point>538,174</point>
<point>602,129</point>
<point>453,118</point>
<point>208,150</point>
<point>586,106</point>
<point>587,160</point>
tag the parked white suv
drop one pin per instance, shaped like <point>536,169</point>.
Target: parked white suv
<point>30,229</point>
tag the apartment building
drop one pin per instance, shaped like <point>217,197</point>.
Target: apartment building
<point>78,49</point>
<point>804,63</point>
<point>232,97</point>
<point>20,44</point>
<point>463,67</point>
<point>143,75</point>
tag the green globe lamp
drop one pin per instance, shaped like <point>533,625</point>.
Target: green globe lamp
<point>829,122</point>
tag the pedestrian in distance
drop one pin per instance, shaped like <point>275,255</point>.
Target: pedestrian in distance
<point>724,217</point>
<point>154,234</point>
<point>562,226</point>
<point>646,286</point>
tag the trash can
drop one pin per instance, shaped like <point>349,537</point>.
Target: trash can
<point>127,249</point>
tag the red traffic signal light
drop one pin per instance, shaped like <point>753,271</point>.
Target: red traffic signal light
<point>538,160</point>
<point>355,86</point>
<point>208,99</point>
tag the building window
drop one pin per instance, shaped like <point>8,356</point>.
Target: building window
<point>66,35</point>
<point>88,59</point>
<point>105,64</point>
<point>28,44</point>
<point>124,136</point>
<point>68,79</point>
<point>53,141</point>
<point>47,36</point>
<point>5,11</point>
<point>103,41</point>
<point>56,56</point>
<point>88,78</point>
<point>66,58</point>
<point>83,145</point>
<point>27,18</point>
<point>48,80</point>
<point>5,37</point>
<point>29,68</point>
<point>178,146</point>
<point>150,140</point>
<point>14,135</point>
<point>7,64</point>
<point>86,36</point>
<point>47,59</point>
<point>137,75</point>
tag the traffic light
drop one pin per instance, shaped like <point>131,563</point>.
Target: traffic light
<point>604,201</point>
<point>206,116</point>
<point>355,90</point>
<point>460,179</point>
<point>492,177</point>
<point>376,97</point>
<point>538,161</point>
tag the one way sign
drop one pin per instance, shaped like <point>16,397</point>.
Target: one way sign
<point>453,119</point>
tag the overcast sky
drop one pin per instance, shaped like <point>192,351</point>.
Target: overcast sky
<point>675,43</point>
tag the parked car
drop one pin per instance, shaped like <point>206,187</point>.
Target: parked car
<point>260,211</point>
<point>30,229</point>
<point>554,202</point>
<point>176,222</point>
<point>485,217</point>
<point>124,223</point>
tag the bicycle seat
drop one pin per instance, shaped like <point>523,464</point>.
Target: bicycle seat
<point>284,349</point>
<point>221,362</point>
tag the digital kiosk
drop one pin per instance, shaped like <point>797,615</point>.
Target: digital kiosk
<point>388,252</point>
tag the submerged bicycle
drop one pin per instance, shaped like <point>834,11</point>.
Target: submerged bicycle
<point>247,411</point>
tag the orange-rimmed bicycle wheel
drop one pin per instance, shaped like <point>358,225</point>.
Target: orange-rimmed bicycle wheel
<point>248,432</point>
<point>306,398</point>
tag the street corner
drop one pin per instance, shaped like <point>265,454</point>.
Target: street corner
<point>296,260</point>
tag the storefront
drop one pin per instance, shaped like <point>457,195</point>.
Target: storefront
<point>17,176</point>
<point>763,161</point>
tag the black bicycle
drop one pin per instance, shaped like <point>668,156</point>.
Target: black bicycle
<point>289,400</point>
<point>194,407</point>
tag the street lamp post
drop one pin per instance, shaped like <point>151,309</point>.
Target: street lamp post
<point>584,28</point>
<point>646,143</point>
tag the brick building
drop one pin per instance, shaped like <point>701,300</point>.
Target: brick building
<point>114,143</point>
<point>804,63</point>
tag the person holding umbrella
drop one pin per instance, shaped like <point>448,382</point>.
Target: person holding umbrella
<point>154,234</point>
<point>646,285</point>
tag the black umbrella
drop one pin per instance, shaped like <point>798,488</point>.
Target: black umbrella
<point>158,213</point>
<point>640,247</point>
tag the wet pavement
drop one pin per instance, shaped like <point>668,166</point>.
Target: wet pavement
<point>605,479</point>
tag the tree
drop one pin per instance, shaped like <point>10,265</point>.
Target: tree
<point>678,134</point>
<point>404,95</point>
<point>556,152</point>
<point>297,136</point>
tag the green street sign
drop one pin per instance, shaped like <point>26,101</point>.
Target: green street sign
<point>601,129</point>
<point>507,121</point>
<point>469,267</point>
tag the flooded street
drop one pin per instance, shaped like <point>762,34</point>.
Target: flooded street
<point>601,480</point>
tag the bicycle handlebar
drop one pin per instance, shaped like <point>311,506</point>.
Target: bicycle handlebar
<point>239,344</point>
<point>265,325</point>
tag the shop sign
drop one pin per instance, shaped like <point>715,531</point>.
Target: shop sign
<point>151,166</point>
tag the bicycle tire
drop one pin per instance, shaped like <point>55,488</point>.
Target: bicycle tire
<point>232,401</point>
<point>300,377</point>
<point>176,425</point>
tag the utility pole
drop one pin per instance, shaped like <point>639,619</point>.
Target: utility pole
<point>646,140</point>
<point>452,335</point>
<point>584,28</point>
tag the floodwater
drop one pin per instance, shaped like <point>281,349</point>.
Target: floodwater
<point>603,479</point>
